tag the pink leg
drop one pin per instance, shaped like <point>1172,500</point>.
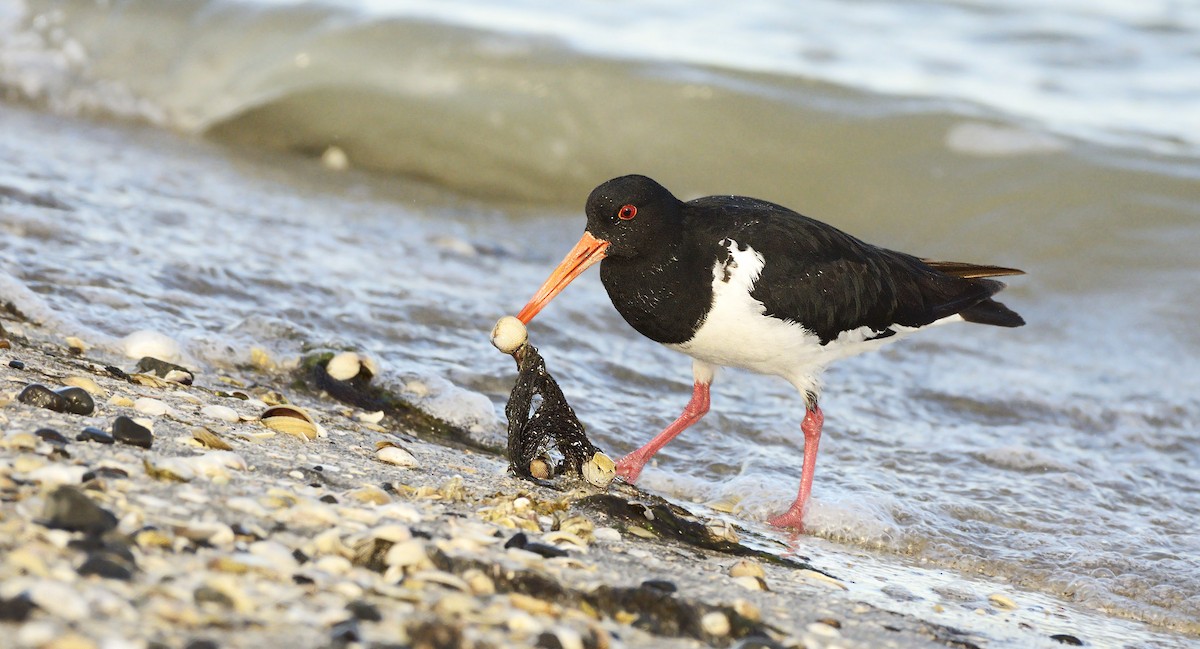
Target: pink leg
<point>630,466</point>
<point>794,516</point>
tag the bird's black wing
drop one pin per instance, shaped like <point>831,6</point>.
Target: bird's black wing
<point>830,282</point>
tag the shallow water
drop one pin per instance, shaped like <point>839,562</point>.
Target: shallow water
<point>1057,459</point>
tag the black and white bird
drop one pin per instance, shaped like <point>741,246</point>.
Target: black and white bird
<point>738,282</point>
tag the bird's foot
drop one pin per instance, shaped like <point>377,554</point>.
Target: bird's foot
<point>630,467</point>
<point>792,518</point>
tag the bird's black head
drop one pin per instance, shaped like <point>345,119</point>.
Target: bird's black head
<point>628,216</point>
<point>634,215</point>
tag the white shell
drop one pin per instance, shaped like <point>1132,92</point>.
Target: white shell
<point>344,366</point>
<point>224,413</point>
<point>715,623</point>
<point>152,407</point>
<point>370,417</point>
<point>747,568</point>
<point>90,386</point>
<point>750,583</point>
<point>398,456</point>
<point>509,334</point>
<point>600,470</point>
<point>721,530</point>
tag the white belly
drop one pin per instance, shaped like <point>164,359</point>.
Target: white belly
<point>738,333</point>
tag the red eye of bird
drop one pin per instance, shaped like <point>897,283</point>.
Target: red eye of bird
<point>627,212</point>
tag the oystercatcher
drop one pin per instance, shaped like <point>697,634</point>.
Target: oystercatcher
<point>739,282</point>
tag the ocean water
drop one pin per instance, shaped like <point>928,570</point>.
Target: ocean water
<point>177,167</point>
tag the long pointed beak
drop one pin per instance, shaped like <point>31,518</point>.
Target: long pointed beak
<point>588,251</point>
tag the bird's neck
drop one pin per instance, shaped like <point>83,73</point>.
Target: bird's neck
<point>664,295</point>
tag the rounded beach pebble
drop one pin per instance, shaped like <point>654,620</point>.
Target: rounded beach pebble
<point>509,334</point>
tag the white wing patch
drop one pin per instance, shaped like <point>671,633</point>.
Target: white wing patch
<point>738,333</point>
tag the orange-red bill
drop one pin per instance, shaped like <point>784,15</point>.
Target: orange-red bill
<point>588,251</point>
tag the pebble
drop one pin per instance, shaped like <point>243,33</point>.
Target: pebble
<point>364,610</point>
<point>52,436</point>
<point>222,413</point>
<point>70,399</point>
<point>77,400</point>
<point>105,566</point>
<point>93,434</point>
<point>16,364</point>
<point>166,371</point>
<point>16,609</point>
<point>128,431</point>
<point>661,585</point>
<point>68,508</point>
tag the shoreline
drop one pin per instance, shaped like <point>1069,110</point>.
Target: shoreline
<point>319,543</point>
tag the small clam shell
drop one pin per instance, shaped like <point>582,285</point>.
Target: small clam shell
<point>370,417</point>
<point>813,575</point>
<point>751,583</point>
<point>223,413</point>
<point>721,530</point>
<point>600,470</point>
<point>715,623</point>
<point>393,454</point>
<point>509,334</point>
<point>343,366</point>
<point>210,439</point>
<point>1002,601</point>
<point>540,468</point>
<point>747,568</point>
<point>292,420</point>
<point>87,384</point>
